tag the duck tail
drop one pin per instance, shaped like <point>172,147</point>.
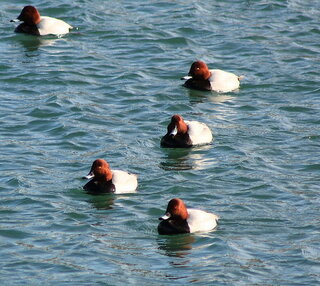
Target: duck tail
<point>241,77</point>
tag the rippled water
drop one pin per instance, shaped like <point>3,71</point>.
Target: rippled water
<point>108,90</point>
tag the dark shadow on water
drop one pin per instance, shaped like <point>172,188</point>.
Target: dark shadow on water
<point>176,159</point>
<point>102,202</point>
<point>176,245</point>
<point>184,158</point>
<point>197,96</point>
<point>32,43</point>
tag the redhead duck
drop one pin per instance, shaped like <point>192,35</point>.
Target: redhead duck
<point>35,24</point>
<point>182,134</point>
<point>201,78</point>
<point>106,181</point>
<point>179,219</point>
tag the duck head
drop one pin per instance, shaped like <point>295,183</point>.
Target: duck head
<point>29,15</point>
<point>100,171</point>
<point>177,126</point>
<point>176,210</point>
<point>199,71</point>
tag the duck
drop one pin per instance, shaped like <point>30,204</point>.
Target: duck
<point>184,134</point>
<point>201,78</point>
<point>104,180</point>
<point>35,24</point>
<point>178,219</point>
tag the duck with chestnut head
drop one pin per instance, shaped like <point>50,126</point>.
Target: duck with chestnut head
<point>183,133</point>
<point>179,219</point>
<point>34,24</point>
<point>104,180</point>
<point>200,77</point>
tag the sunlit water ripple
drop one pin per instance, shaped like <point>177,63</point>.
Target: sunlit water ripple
<point>108,90</point>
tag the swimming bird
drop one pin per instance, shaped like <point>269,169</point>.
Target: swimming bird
<point>201,78</point>
<point>182,134</point>
<point>104,180</point>
<point>35,24</point>
<point>179,219</point>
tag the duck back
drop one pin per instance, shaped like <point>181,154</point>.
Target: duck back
<point>199,132</point>
<point>222,81</point>
<point>124,182</point>
<point>49,25</point>
<point>199,220</point>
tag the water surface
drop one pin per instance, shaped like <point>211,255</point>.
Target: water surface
<point>108,90</point>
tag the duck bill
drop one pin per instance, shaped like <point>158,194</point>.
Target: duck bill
<point>186,77</point>
<point>15,20</point>
<point>174,131</point>
<point>89,176</point>
<point>165,216</point>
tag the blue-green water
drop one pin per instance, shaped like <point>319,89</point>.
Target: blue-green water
<point>108,90</point>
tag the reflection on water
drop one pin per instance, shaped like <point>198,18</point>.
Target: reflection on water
<point>176,245</point>
<point>176,159</point>
<point>32,43</point>
<point>220,98</point>
<point>197,96</point>
<point>102,202</point>
<point>185,158</point>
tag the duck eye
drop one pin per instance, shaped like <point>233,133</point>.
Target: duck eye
<point>197,69</point>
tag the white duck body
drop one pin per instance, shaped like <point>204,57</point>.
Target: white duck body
<point>124,182</point>
<point>199,220</point>
<point>222,81</point>
<point>52,26</point>
<point>199,132</point>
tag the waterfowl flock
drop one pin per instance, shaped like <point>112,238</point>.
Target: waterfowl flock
<point>180,133</point>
